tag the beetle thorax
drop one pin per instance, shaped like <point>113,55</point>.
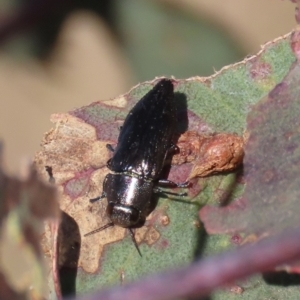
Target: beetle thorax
<point>129,198</point>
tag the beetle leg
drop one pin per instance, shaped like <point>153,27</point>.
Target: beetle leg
<point>173,148</point>
<point>98,198</point>
<point>172,184</point>
<point>50,174</point>
<point>108,164</point>
<point>110,147</point>
<point>157,190</point>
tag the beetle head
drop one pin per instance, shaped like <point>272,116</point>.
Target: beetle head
<point>121,215</point>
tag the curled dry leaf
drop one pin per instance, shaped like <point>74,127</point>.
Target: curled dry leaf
<point>26,204</point>
<point>209,153</point>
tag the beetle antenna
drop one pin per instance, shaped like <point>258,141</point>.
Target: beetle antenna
<point>98,198</point>
<point>99,229</point>
<point>134,241</point>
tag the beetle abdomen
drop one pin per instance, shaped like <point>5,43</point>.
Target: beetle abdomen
<point>146,134</point>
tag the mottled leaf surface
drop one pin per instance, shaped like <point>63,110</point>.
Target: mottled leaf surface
<point>270,203</point>
<point>172,235</point>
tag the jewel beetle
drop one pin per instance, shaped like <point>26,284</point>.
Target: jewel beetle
<point>144,142</point>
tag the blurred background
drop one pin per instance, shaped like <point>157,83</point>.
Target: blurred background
<point>59,55</point>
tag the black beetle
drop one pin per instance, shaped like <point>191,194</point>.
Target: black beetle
<point>144,142</point>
